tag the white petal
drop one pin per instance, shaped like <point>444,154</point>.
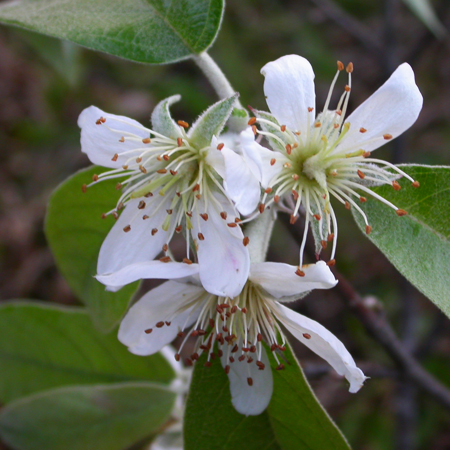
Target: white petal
<point>148,269</point>
<point>392,109</point>
<point>323,343</point>
<point>224,260</point>
<point>214,157</point>
<point>249,400</point>
<point>289,90</point>
<point>121,249</point>
<point>101,142</point>
<point>159,305</point>
<point>241,185</point>
<point>280,280</point>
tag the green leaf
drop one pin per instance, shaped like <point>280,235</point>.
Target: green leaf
<point>212,121</point>
<point>43,347</point>
<point>109,417</point>
<point>147,31</point>
<point>423,9</point>
<point>418,244</point>
<point>75,232</point>
<point>294,419</point>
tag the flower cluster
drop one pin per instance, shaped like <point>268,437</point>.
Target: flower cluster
<point>212,187</point>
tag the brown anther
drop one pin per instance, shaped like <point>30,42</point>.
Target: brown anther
<point>295,177</point>
<point>401,212</point>
<point>280,367</point>
<point>187,261</point>
<point>189,213</point>
<point>207,364</point>
<point>83,188</point>
<point>94,177</point>
<point>244,310</point>
<point>146,141</point>
<point>260,365</point>
<point>347,205</point>
<point>148,195</point>
<point>288,149</point>
<point>196,188</point>
<point>261,207</point>
<point>219,353</point>
<point>231,359</point>
<point>268,190</point>
<point>299,272</point>
<point>122,139</point>
<point>294,194</point>
<point>168,323</point>
<point>363,199</point>
<point>336,126</point>
<point>349,68</point>
<point>103,216</point>
<point>250,381</point>
<point>141,204</point>
<point>119,206</point>
<point>310,109</point>
<point>124,167</point>
<point>250,360</point>
<point>179,142</point>
<point>148,330</point>
<point>180,334</point>
<point>177,356</point>
<point>362,130</point>
<point>387,136</point>
<point>154,231</point>
<point>115,215</point>
<point>317,124</point>
<point>165,247</point>
<point>252,121</point>
<point>415,184</point>
<point>361,175</point>
<point>232,224</point>
<point>273,161</point>
<point>178,229</point>
<point>396,185</point>
<point>254,129</point>
<point>259,337</point>
<point>306,336</point>
<point>169,211</point>
<point>317,216</point>
<point>340,66</point>
<point>165,259</point>
<point>159,324</point>
<point>241,358</point>
<point>166,157</point>
<point>220,146</point>
<point>183,124</point>
<point>138,159</point>
<point>293,219</point>
<point>331,262</point>
<point>282,347</point>
<point>127,229</point>
<point>158,158</point>
<point>211,322</point>
<point>195,356</point>
<point>178,194</point>
<point>114,158</point>
<point>204,216</point>
<point>201,237</point>
<point>235,348</point>
<point>224,215</point>
<point>366,154</point>
<point>245,349</point>
<point>253,349</point>
<point>161,171</point>
<point>173,172</point>
<point>189,362</point>
<point>323,244</point>
<point>99,121</point>
<point>283,128</point>
<point>245,241</point>
<point>368,229</point>
<point>194,333</point>
<point>347,88</point>
<point>142,169</point>
<point>273,347</point>
<point>276,199</point>
<point>227,369</point>
<point>338,112</point>
<point>233,309</point>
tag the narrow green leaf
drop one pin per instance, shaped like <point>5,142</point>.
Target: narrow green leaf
<point>43,347</point>
<point>212,121</point>
<point>294,420</point>
<point>86,417</point>
<point>148,31</point>
<point>75,232</point>
<point>417,244</point>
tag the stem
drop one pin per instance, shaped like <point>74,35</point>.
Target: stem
<point>259,232</point>
<point>238,120</point>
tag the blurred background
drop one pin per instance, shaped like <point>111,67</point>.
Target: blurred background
<point>45,84</point>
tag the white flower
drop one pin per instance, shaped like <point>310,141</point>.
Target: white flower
<point>171,184</point>
<point>316,157</point>
<point>239,325</point>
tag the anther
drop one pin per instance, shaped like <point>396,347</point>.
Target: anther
<point>273,161</point>
<point>276,199</point>
<point>366,154</point>
<point>178,229</point>
<point>401,212</point>
<point>235,348</point>
<point>188,362</point>
<point>119,206</point>
<point>189,213</point>
<point>232,224</point>
<point>347,88</point>
<point>148,195</point>
<point>223,214</point>
<point>201,237</point>
<point>288,149</point>
<point>338,112</point>
<point>227,369</point>
<point>362,130</point>
<point>146,141</point>
<point>363,199</point>
<point>159,324</point>
<point>83,188</point>
<point>165,259</point>
<point>387,136</point>
<point>253,349</point>
<point>347,205</point>
<point>208,364</point>
<point>122,139</point>
<point>177,356</point>
<point>114,158</point>
<point>141,204</point>
<point>273,347</point>
<point>310,109</point>
<point>173,172</point>
<point>168,323</point>
<point>260,365</point>
<point>280,367</point>
<point>180,334</point>
<point>252,121</point>
<point>127,229</point>
<point>330,237</point>
<point>306,336</point>
<point>299,272</point>
<point>125,167</point>
<point>154,231</point>
<point>250,360</point>
<point>245,241</point>
<point>349,68</point>
<point>317,125</point>
<point>142,169</point>
<point>250,381</point>
<point>396,185</point>
<point>283,128</point>
<point>244,310</point>
<point>219,353</point>
<point>148,330</point>
<point>331,262</point>
<point>416,184</point>
<point>183,124</point>
<point>179,142</point>
<point>196,188</point>
<point>115,215</point>
<point>259,337</point>
<point>340,66</point>
<point>187,261</point>
<point>162,171</point>
<point>361,175</point>
<point>261,207</point>
<point>317,216</point>
<point>323,244</point>
<point>231,359</point>
<point>103,216</point>
<point>195,356</point>
<point>268,190</point>
<point>233,309</point>
<point>94,177</point>
<point>204,216</point>
<point>241,358</point>
<point>220,146</point>
<point>368,229</point>
<point>166,157</point>
<point>165,248</point>
<point>138,159</point>
<point>295,177</point>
